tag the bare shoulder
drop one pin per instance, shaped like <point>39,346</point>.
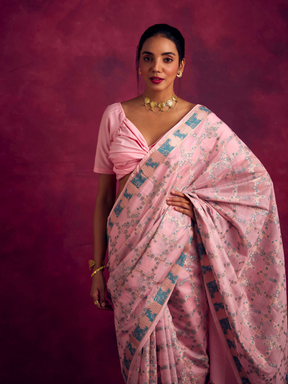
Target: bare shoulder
<point>130,105</point>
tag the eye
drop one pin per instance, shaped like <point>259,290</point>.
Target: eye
<point>147,58</point>
<point>168,60</point>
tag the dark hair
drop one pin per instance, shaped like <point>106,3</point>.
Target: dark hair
<point>164,30</point>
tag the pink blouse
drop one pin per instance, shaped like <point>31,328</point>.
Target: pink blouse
<point>121,146</point>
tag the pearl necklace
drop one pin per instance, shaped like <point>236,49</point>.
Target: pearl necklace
<point>160,106</point>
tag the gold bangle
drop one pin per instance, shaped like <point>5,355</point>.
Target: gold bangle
<point>92,264</point>
<point>97,270</point>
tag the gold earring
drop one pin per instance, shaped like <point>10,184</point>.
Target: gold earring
<point>179,73</point>
<point>139,71</point>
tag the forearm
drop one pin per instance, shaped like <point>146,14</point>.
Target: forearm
<point>102,210</point>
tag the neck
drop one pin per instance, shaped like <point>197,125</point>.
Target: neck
<point>159,96</point>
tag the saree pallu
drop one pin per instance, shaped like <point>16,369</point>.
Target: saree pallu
<point>174,281</point>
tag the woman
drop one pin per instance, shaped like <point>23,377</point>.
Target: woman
<point>194,241</point>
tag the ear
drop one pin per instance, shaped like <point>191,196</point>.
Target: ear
<point>182,65</point>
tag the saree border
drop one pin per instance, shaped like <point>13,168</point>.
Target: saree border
<point>152,312</point>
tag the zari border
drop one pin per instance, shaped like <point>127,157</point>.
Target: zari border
<point>152,313</point>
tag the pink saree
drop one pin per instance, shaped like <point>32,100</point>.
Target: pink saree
<point>205,301</point>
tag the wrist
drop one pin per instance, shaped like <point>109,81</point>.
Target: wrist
<point>95,264</point>
<point>93,267</point>
<point>97,270</point>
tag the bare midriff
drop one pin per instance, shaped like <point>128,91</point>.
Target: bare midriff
<point>122,183</point>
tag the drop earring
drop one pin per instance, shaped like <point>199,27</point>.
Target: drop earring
<point>179,73</point>
<point>139,71</point>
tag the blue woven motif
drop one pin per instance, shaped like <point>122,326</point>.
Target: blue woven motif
<point>118,209</point>
<point>131,349</point>
<point>125,374</point>
<point>151,316</point>
<point>238,364</point>
<point>179,134</point>
<point>218,306</point>
<point>212,288</point>
<point>166,148</point>
<point>193,121</point>
<point>202,108</point>
<point>244,380</point>
<point>127,195</point>
<point>206,269</point>
<point>231,344</point>
<point>181,260</point>
<point>172,277</point>
<point>139,179</point>
<point>127,363</point>
<point>225,325</point>
<point>161,296</point>
<point>151,163</point>
<point>139,333</point>
<point>110,223</point>
<point>201,250</point>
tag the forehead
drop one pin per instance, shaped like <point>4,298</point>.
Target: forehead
<point>159,44</point>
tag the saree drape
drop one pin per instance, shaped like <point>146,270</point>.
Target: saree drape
<point>173,279</point>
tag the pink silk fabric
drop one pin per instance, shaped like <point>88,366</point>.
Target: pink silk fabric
<point>191,296</point>
<point>120,145</point>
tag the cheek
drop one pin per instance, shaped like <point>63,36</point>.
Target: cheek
<point>144,68</point>
<point>172,70</point>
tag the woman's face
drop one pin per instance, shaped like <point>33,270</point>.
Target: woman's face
<point>159,63</point>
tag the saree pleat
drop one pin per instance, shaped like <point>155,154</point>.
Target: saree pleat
<point>168,275</point>
<point>165,351</point>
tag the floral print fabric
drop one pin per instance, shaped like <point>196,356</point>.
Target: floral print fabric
<point>167,273</point>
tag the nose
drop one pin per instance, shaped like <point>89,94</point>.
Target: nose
<point>157,65</point>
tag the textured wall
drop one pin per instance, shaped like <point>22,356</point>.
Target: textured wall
<point>61,63</point>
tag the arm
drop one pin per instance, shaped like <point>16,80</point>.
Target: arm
<point>104,203</point>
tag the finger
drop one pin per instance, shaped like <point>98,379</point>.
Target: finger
<point>180,203</point>
<point>107,307</point>
<point>181,196</point>
<point>102,298</point>
<point>184,211</point>
<point>188,212</point>
<point>96,298</point>
<point>97,304</point>
<point>94,295</point>
<point>178,199</point>
<point>177,193</point>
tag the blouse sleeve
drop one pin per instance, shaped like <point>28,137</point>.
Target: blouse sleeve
<point>102,163</point>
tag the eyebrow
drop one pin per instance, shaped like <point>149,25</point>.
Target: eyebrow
<point>162,54</point>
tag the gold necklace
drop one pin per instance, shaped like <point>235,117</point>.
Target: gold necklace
<point>160,106</point>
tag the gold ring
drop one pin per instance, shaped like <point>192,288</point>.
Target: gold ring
<point>96,302</point>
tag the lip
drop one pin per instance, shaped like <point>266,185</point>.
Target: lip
<point>156,80</point>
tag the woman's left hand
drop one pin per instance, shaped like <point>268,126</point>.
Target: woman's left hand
<point>181,203</point>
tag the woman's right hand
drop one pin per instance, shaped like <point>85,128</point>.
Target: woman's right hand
<point>98,290</point>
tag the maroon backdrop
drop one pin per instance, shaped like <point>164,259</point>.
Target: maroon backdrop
<point>61,63</point>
